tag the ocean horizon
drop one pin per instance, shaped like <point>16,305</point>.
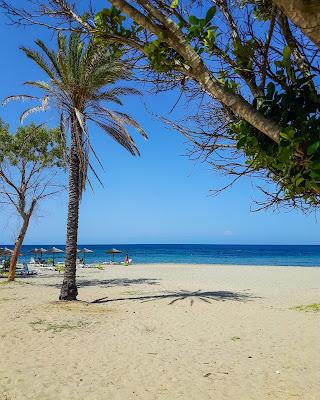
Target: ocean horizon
<point>227,254</point>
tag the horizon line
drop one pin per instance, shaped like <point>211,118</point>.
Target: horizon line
<point>169,244</point>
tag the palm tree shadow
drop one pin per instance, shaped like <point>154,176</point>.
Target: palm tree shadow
<point>205,296</point>
<point>118,282</point>
<point>107,283</point>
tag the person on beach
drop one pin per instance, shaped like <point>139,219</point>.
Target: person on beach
<point>126,259</point>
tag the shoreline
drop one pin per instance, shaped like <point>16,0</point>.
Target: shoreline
<point>212,265</point>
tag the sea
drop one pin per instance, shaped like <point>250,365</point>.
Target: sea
<point>277,255</point>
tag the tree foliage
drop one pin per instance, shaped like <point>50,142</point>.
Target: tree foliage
<point>30,160</point>
<point>31,145</point>
<point>267,62</point>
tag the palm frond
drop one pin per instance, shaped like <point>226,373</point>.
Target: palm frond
<point>38,59</point>
<point>63,129</point>
<point>43,107</point>
<point>39,84</point>
<point>119,117</point>
<point>62,58</point>
<point>81,121</point>
<point>122,91</point>
<point>51,55</point>
<point>20,97</point>
<point>130,121</point>
<point>85,66</point>
<point>117,133</point>
<point>111,95</point>
<point>83,173</point>
<point>95,174</point>
<point>74,55</point>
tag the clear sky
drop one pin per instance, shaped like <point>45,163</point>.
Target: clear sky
<point>161,197</point>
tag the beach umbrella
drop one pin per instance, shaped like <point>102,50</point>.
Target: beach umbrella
<point>38,251</point>
<point>53,251</point>
<point>113,252</point>
<point>5,252</point>
<point>34,251</point>
<point>42,251</point>
<point>84,251</point>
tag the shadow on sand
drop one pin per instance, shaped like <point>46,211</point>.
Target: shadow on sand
<point>107,283</point>
<point>205,296</point>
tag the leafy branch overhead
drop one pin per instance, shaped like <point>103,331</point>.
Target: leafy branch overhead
<point>278,80</point>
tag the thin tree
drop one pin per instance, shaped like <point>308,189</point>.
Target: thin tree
<point>30,161</point>
<point>81,79</point>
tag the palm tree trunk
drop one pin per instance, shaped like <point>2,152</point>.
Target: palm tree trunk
<point>18,243</point>
<point>69,289</point>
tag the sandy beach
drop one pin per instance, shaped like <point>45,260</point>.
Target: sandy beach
<point>163,332</point>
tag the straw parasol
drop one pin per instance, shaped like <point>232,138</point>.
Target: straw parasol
<point>5,252</point>
<point>38,251</point>
<point>113,252</point>
<point>34,251</point>
<point>53,251</point>
<point>84,251</point>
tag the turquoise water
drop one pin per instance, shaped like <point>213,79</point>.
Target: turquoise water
<point>199,254</point>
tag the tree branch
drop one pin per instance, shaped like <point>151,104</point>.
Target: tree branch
<point>199,72</point>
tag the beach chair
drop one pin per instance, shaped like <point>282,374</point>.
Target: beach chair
<point>25,270</point>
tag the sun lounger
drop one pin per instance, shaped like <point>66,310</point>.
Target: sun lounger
<point>24,270</point>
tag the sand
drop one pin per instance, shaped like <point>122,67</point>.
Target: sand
<point>163,332</point>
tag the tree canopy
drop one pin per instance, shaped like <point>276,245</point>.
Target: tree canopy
<point>251,59</point>
<point>29,159</point>
<point>29,162</point>
<point>31,144</point>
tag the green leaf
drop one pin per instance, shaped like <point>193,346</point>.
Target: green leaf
<point>313,147</point>
<point>241,142</point>
<point>270,88</point>
<point>286,56</point>
<point>210,14</point>
<point>315,165</point>
<point>193,20</point>
<point>315,175</point>
<point>299,180</point>
<point>287,133</point>
<point>174,4</point>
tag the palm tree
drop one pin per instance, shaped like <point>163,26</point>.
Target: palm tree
<point>80,76</point>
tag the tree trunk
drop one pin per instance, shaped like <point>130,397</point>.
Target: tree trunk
<point>305,14</point>
<point>69,289</point>
<point>18,243</point>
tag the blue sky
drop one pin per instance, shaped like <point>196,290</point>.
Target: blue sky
<point>161,197</point>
